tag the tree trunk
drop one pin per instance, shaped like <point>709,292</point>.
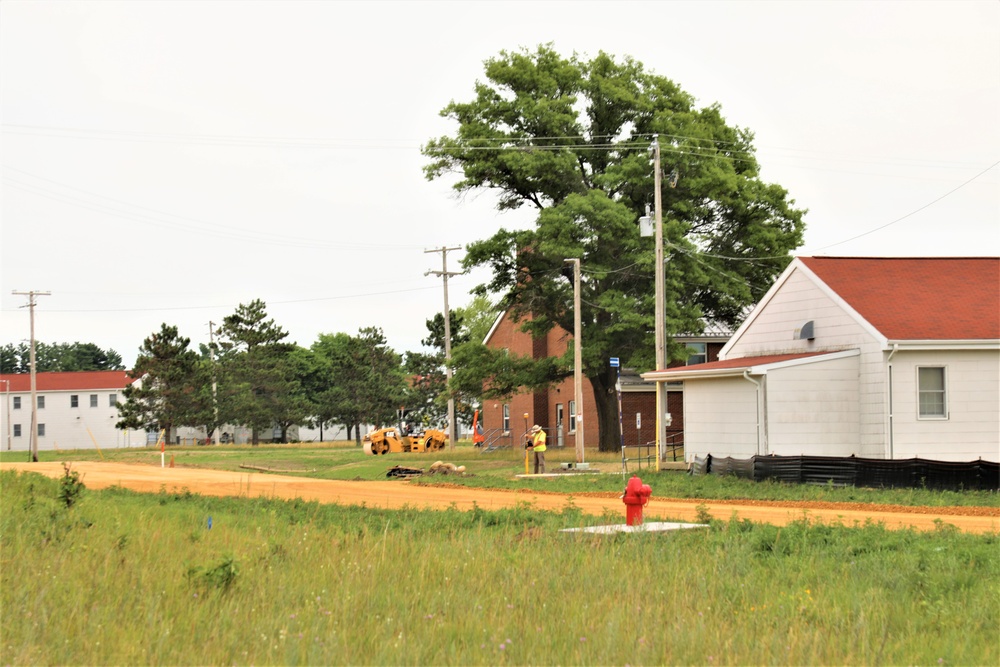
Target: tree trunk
<point>606,399</point>
<point>357,435</point>
<point>254,437</point>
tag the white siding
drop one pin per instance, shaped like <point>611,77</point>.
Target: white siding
<point>812,409</point>
<point>836,328</point>
<point>971,429</point>
<point>720,418</point>
<point>68,427</point>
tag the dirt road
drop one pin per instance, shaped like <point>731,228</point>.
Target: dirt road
<point>396,494</point>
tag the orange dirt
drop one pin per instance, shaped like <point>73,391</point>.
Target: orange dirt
<point>397,494</point>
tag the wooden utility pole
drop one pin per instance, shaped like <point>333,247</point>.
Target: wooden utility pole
<point>33,449</point>
<point>577,360</point>
<point>660,310</point>
<point>215,383</point>
<point>452,431</point>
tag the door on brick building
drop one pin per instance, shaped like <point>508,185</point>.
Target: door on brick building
<point>560,438</point>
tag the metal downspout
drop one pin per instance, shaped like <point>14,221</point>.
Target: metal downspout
<point>746,376</point>
<point>888,364</point>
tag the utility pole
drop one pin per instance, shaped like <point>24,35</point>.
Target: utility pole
<point>577,360</point>
<point>660,314</point>
<point>452,431</point>
<point>33,449</point>
<point>215,384</point>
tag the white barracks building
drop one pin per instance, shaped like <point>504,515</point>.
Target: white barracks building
<point>75,411</point>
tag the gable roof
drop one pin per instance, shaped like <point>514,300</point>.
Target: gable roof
<point>918,298</point>
<point>74,381</point>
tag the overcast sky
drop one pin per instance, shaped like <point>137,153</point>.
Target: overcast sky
<point>166,161</point>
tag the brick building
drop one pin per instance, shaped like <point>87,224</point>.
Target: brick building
<point>554,408</point>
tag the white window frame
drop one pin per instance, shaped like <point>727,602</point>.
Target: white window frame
<point>41,402</point>
<point>572,416</point>
<point>41,430</point>
<point>74,400</point>
<point>17,430</point>
<point>112,400</point>
<point>93,400</point>
<point>696,350</point>
<point>506,418</point>
<point>17,402</point>
<point>943,393</point>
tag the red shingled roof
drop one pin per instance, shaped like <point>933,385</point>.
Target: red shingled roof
<point>79,381</point>
<point>919,298</point>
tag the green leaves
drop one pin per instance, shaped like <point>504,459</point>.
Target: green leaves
<point>571,137</point>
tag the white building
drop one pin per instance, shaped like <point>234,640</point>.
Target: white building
<point>875,357</point>
<point>75,411</point>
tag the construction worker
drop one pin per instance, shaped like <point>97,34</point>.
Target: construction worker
<point>538,446</point>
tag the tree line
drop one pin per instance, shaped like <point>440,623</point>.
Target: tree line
<point>253,376</point>
<point>58,357</point>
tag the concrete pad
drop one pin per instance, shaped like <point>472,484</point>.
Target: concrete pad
<point>648,527</point>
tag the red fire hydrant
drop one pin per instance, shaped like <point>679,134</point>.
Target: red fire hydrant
<point>636,495</point>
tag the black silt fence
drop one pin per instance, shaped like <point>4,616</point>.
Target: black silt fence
<point>853,471</point>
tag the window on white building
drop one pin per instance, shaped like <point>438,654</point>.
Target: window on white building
<point>41,430</point>
<point>112,400</point>
<point>93,400</point>
<point>931,399</point>
<point>74,401</point>
<point>17,430</point>
<point>17,402</point>
<point>506,418</point>
<point>572,416</point>
<point>41,402</point>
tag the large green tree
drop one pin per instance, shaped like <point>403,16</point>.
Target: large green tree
<point>570,137</point>
<point>258,374</point>
<point>170,388</point>
<point>367,383</point>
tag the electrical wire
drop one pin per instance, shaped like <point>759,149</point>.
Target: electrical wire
<point>913,212</point>
<point>186,224</point>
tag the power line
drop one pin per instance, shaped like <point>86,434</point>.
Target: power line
<point>197,226</point>
<point>216,307</point>
<point>913,212</point>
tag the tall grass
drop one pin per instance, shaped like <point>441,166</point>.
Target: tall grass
<point>125,578</point>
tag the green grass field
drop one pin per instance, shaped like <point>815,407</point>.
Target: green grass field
<point>126,578</point>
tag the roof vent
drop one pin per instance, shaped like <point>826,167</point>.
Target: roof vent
<point>805,332</point>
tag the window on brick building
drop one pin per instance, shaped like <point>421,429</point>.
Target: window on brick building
<point>697,353</point>
<point>572,416</point>
<point>506,418</point>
